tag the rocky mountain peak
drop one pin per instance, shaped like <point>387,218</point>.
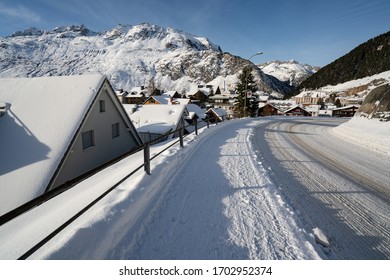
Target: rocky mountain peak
<point>130,55</point>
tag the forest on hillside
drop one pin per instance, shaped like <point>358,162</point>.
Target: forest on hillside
<point>369,58</point>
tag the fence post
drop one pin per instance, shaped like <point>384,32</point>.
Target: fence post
<point>208,123</point>
<point>181,134</point>
<point>147,158</point>
<point>196,127</point>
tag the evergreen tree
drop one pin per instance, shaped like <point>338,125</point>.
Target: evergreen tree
<point>245,85</point>
<point>337,103</point>
<point>321,102</point>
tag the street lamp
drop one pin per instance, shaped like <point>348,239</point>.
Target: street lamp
<point>246,81</point>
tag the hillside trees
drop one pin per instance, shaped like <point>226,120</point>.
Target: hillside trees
<point>369,58</point>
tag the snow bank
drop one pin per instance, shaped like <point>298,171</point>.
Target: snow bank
<point>369,133</point>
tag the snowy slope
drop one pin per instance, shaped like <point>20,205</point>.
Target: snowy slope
<point>355,90</point>
<point>130,56</point>
<point>290,72</point>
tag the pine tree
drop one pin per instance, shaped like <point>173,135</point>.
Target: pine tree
<point>246,84</point>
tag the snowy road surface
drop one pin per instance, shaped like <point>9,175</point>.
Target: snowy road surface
<point>246,189</point>
<point>342,188</point>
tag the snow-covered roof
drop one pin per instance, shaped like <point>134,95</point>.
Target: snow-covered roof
<point>166,100</point>
<point>138,89</point>
<point>43,116</point>
<point>193,108</point>
<point>170,93</point>
<point>221,97</point>
<point>218,111</point>
<point>156,118</point>
<point>295,107</point>
<point>346,107</point>
<point>263,98</point>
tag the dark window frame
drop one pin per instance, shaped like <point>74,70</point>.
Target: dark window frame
<point>88,139</point>
<point>115,130</point>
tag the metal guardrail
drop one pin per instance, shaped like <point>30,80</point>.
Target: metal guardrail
<point>57,191</point>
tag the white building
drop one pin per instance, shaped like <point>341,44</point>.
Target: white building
<point>54,130</point>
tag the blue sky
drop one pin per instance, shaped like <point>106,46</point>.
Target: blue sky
<point>314,32</point>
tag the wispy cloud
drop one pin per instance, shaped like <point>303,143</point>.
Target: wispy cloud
<point>18,12</point>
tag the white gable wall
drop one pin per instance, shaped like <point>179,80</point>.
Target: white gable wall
<point>106,148</point>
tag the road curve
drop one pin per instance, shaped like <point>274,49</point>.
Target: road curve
<point>332,184</point>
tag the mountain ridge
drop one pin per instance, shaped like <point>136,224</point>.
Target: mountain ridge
<point>291,72</point>
<point>130,55</point>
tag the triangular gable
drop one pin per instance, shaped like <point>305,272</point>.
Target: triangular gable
<point>44,114</point>
<point>77,161</point>
<point>43,118</point>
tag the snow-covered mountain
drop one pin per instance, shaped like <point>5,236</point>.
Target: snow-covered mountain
<point>290,72</point>
<point>140,55</point>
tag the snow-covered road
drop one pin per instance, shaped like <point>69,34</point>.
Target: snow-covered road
<point>221,205</point>
<point>245,189</point>
<point>337,186</point>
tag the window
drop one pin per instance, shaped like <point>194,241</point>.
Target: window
<point>102,105</point>
<point>88,139</point>
<point>115,130</point>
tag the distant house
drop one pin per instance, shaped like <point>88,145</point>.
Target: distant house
<point>154,121</point>
<point>137,95</point>
<point>308,97</point>
<point>165,99</point>
<point>297,110</point>
<point>216,115</point>
<point>55,130</point>
<point>200,96</point>
<point>267,109</point>
<point>346,111</point>
<point>156,100</point>
<point>172,93</point>
<point>223,101</point>
<point>195,115</point>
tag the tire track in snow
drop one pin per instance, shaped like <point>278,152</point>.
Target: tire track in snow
<point>352,216</point>
<point>257,212</point>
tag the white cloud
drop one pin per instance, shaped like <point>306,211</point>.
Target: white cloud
<point>19,13</point>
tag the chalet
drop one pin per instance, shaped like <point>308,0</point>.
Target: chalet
<point>195,115</point>
<point>216,115</point>
<point>153,122</point>
<point>166,100</point>
<point>267,109</point>
<point>200,95</point>
<point>224,101</point>
<point>346,111</point>
<point>297,110</point>
<point>137,95</point>
<point>55,130</point>
<point>133,98</point>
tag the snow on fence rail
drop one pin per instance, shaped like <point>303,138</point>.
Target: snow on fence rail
<point>8,217</point>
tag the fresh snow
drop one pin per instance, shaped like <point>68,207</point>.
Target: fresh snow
<point>216,198</point>
<point>130,56</point>
<point>290,72</point>
<point>34,132</point>
<point>369,133</point>
<point>156,118</point>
